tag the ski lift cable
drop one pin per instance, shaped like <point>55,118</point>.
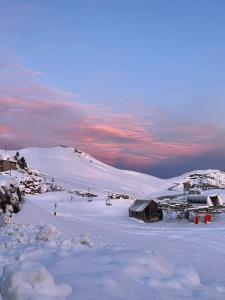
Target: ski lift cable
<point>73,183</point>
<point>73,179</point>
<point>78,181</point>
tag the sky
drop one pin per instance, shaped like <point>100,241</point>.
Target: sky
<point>139,84</point>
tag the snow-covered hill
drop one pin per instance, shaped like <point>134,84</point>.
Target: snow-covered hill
<point>76,170</point>
<point>208,179</point>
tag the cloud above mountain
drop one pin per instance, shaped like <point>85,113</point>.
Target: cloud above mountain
<point>36,114</point>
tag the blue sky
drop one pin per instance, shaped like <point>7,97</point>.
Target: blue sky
<point>154,68</point>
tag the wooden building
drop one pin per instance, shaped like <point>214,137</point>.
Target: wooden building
<point>7,165</point>
<point>146,210</point>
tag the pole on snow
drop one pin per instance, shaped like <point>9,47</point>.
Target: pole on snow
<point>55,209</point>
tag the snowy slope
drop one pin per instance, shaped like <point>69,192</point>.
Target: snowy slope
<point>79,170</point>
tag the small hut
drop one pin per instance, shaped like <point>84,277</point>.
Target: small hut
<point>146,210</point>
<point>7,164</point>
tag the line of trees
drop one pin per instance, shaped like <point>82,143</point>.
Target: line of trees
<point>21,161</point>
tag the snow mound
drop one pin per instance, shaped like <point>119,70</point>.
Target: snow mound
<point>30,281</point>
<point>157,272</point>
<point>48,233</point>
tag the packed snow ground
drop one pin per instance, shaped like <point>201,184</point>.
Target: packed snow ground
<point>101,253</point>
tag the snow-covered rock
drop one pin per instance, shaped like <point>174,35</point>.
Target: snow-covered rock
<point>10,196</point>
<point>32,181</point>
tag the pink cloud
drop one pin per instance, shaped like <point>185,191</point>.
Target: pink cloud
<point>34,114</point>
<point>4,130</point>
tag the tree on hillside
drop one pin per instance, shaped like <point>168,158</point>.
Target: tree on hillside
<point>22,163</point>
<point>16,157</point>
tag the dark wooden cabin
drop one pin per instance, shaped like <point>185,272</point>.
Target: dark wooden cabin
<point>7,165</point>
<point>146,210</point>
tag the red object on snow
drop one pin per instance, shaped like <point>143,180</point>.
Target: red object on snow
<point>196,219</point>
<point>209,218</point>
<point>206,219</point>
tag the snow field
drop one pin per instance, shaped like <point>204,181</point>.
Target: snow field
<point>106,254</point>
<point>26,254</point>
<point>31,254</point>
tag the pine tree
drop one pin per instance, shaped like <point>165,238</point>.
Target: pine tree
<point>22,163</point>
<point>16,157</point>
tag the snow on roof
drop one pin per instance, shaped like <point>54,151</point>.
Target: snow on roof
<point>6,156</point>
<point>139,205</point>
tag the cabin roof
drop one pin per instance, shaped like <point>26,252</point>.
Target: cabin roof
<point>139,205</point>
<point>6,157</point>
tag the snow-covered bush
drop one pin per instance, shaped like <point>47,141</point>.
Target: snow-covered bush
<point>30,281</point>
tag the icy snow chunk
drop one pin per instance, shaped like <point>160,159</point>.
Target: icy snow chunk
<point>48,233</point>
<point>30,281</point>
